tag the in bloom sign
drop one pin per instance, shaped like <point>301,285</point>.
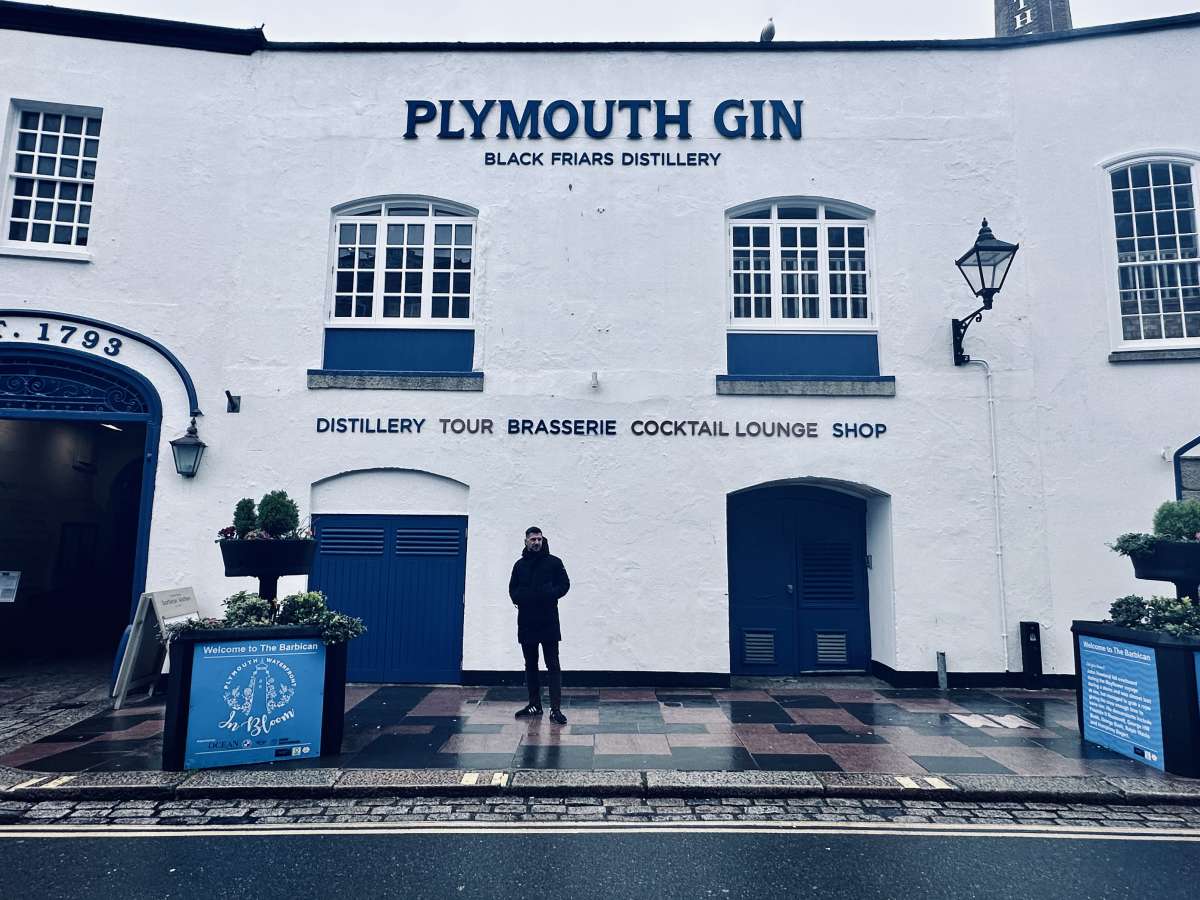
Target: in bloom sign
<point>254,701</point>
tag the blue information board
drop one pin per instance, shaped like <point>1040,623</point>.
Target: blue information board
<point>1121,708</point>
<point>255,701</point>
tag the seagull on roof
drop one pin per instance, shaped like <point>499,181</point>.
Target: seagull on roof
<point>768,33</point>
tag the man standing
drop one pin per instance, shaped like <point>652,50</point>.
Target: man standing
<point>538,581</point>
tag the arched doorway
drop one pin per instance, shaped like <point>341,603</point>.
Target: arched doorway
<point>78,449</point>
<point>798,594</point>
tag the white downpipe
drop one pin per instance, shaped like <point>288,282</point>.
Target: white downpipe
<point>1003,597</point>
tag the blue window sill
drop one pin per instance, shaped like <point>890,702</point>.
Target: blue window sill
<point>319,379</point>
<point>807,385</point>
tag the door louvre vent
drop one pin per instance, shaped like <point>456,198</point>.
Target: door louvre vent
<point>827,572</point>
<point>352,541</point>
<point>831,648</point>
<point>758,648</point>
<point>427,541</point>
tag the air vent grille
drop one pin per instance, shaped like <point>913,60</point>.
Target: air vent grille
<point>428,541</point>
<point>758,648</point>
<point>827,572</point>
<point>352,541</point>
<point>831,648</point>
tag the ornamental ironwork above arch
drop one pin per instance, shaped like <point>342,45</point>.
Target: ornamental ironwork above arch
<point>53,383</point>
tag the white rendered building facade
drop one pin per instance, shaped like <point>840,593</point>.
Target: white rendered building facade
<point>460,290</point>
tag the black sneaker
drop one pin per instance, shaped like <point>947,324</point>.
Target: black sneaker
<point>557,717</point>
<point>528,712</point>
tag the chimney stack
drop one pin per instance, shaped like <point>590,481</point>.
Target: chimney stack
<point>1017,18</point>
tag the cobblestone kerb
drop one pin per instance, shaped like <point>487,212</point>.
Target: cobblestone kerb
<point>320,784</point>
<point>229,812</point>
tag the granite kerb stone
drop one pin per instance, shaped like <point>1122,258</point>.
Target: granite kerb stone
<point>411,782</point>
<point>871,784</point>
<point>593,783</point>
<point>259,783</point>
<point>132,785</point>
<point>670,783</point>
<point>1145,791</point>
<point>1048,788</point>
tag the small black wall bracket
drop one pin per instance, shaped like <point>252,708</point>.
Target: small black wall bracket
<point>233,402</point>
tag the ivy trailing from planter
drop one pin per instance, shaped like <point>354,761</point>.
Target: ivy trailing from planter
<point>246,609</point>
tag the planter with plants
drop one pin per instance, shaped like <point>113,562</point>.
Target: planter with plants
<point>1172,552</point>
<point>267,542</point>
<point>266,682</point>
<point>1139,681</point>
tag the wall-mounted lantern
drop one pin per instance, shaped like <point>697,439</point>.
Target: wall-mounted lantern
<point>188,451</point>
<point>984,266</point>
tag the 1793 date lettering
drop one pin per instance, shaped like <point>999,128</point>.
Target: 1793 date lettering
<point>54,333</point>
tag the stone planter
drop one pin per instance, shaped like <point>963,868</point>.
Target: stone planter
<point>1175,561</point>
<point>245,695</point>
<point>1138,694</point>
<point>267,560</point>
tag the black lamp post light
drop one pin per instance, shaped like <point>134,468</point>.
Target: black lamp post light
<point>984,266</point>
<point>188,450</point>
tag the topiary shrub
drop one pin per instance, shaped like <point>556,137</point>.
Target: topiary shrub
<point>1178,520</point>
<point>302,609</point>
<point>246,609</point>
<point>245,519</point>
<point>278,514</point>
<point>1176,616</point>
<point>1128,611</point>
<point>311,608</point>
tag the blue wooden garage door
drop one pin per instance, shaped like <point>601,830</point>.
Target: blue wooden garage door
<point>404,577</point>
<point>797,582</point>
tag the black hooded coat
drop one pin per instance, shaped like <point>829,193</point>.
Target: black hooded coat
<point>538,581</point>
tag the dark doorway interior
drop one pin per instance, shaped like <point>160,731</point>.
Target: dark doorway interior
<point>69,498</point>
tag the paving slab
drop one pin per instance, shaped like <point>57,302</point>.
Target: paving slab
<point>661,783</point>
<point>420,782</point>
<point>259,783</point>
<point>594,783</point>
<point>1057,788</point>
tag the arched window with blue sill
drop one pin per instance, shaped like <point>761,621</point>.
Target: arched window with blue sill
<point>400,302</point>
<point>801,300</point>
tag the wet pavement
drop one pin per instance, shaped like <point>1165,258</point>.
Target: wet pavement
<point>791,728</point>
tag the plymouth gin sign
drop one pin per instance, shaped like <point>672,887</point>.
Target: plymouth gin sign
<point>255,701</point>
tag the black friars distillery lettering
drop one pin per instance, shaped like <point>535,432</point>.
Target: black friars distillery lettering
<point>859,430</point>
<point>365,425</point>
<point>584,427</point>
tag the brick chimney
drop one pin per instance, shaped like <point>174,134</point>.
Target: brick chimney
<point>1017,18</point>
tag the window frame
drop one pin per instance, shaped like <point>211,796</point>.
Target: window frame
<point>1117,339</point>
<point>353,212</point>
<point>826,324</point>
<point>8,151</point>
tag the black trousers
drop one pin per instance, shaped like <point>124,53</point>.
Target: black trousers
<point>550,652</point>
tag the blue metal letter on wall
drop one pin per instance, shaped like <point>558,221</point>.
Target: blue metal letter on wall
<point>1121,708</point>
<point>255,701</point>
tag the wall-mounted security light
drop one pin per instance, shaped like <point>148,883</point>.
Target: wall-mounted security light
<point>984,266</point>
<point>188,451</point>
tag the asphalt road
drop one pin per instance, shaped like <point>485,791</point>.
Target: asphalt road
<point>523,864</point>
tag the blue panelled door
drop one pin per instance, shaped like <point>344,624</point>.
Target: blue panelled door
<point>404,576</point>
<point>797,582</point>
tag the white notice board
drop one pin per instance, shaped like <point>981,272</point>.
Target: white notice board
<point>142,661</point>
<point>8,586</point>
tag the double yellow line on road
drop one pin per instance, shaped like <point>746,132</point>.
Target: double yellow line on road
<point>400,829</point>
